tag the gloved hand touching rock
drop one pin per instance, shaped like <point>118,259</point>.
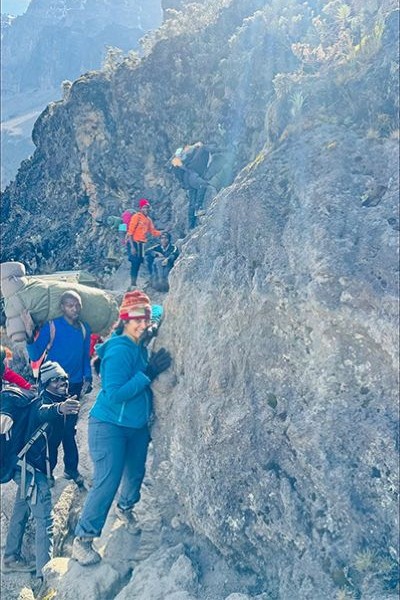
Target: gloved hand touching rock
<point>159,362</point>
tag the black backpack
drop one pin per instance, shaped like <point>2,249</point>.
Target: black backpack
<point>15,443</point>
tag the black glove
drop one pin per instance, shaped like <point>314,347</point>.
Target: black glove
<point>159,362</point>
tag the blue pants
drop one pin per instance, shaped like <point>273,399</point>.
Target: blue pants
<point>118,453</point>
<point>41,512</point>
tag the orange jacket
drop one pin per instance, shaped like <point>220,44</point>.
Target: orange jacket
<point>140,226</point>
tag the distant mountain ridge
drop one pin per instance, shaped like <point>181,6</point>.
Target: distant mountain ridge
<point>56,40</point>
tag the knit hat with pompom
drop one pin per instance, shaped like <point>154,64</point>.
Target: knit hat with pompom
<point>135,305</point>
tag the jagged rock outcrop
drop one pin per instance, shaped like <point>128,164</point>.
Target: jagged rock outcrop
<point>286,387</point>
<point>276,431</point>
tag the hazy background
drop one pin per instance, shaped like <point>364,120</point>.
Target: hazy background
<point>14,7</point>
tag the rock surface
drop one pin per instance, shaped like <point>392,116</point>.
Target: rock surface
<point>280,427</point>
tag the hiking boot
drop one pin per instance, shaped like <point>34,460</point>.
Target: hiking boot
<point>17,564</point>
<point>84,553</point>
<point>38,587</point>
<point>129,518</point>
<point>77,477</point>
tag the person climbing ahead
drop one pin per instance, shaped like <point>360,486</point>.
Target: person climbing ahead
<point>66,340</point>
<point>140,226</point>
<point>189,164</point>
<point>119,424</point>
<point>160,260</point>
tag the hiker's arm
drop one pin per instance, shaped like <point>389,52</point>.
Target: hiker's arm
<point>37,347</point>
<point>46,413</point>
<point>155,232</point>
<point>13,377</point>
<point>117,388</point>
<point>29,325</point>
<point>51,412</point>
<point>173,256</point>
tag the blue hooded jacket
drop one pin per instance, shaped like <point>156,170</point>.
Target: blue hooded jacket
<point>125,397</point>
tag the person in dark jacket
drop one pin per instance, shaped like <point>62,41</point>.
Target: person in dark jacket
<point>119,424</point>
<point>190,165</point>
<point>160,260</point>
<point>52,406</point>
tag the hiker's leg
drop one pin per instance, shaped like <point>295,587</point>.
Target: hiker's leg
<point>150,260</point>
<point>135,266</point>
<point>107,447</point>
<point>157,272</point>
<point>17,524</point>
<point>164,278</point>
<point>41,512</point>
<point>200,197</point>
<point>134,470</point>
<point>136,261</point>
<point>192,207</point>
<point>71,456</point>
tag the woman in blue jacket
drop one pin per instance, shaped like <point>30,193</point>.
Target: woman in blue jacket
<point>118,424</point>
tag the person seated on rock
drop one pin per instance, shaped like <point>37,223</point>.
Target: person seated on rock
<point>33,479</point>
<point>9,375</point>
<point>160,260</point>
<point>140,227</point>
<point>119,424</point>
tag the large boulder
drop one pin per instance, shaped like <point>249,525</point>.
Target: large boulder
<point>280,422</point>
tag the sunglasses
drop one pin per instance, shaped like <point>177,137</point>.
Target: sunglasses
<point>57,379</point>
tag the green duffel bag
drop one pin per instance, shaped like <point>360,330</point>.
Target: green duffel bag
<point>41,298</point>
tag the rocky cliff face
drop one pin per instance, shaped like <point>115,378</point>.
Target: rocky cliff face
<point>276,433</point>
<point>280,428</point>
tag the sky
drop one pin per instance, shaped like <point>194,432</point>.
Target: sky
<point>14,7</point>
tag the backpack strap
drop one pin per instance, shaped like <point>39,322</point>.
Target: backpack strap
<point>36,364</point>
<point>31,490</point>
<point>83,329</point>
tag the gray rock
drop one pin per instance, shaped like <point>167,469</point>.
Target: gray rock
<point>66,580</point>
<point>167,573</point>
<point>286,386</point>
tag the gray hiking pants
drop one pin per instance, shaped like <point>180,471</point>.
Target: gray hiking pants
<point>41,512</point>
